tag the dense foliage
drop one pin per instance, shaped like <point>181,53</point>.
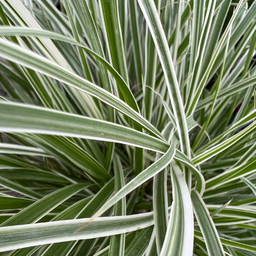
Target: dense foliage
<point>127,127</point>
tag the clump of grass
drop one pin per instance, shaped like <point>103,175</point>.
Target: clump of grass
<point>127,127</point>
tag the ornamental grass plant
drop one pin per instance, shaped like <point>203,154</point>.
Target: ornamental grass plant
<point>127,127</point>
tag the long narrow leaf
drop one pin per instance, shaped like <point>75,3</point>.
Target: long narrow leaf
<point>31,119</point>
<point>150,12</point>
<point>39,63</point>
<point>180,233</point>
<point>148,173</point>
<point>210,234</point>
<point>22,236</point>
